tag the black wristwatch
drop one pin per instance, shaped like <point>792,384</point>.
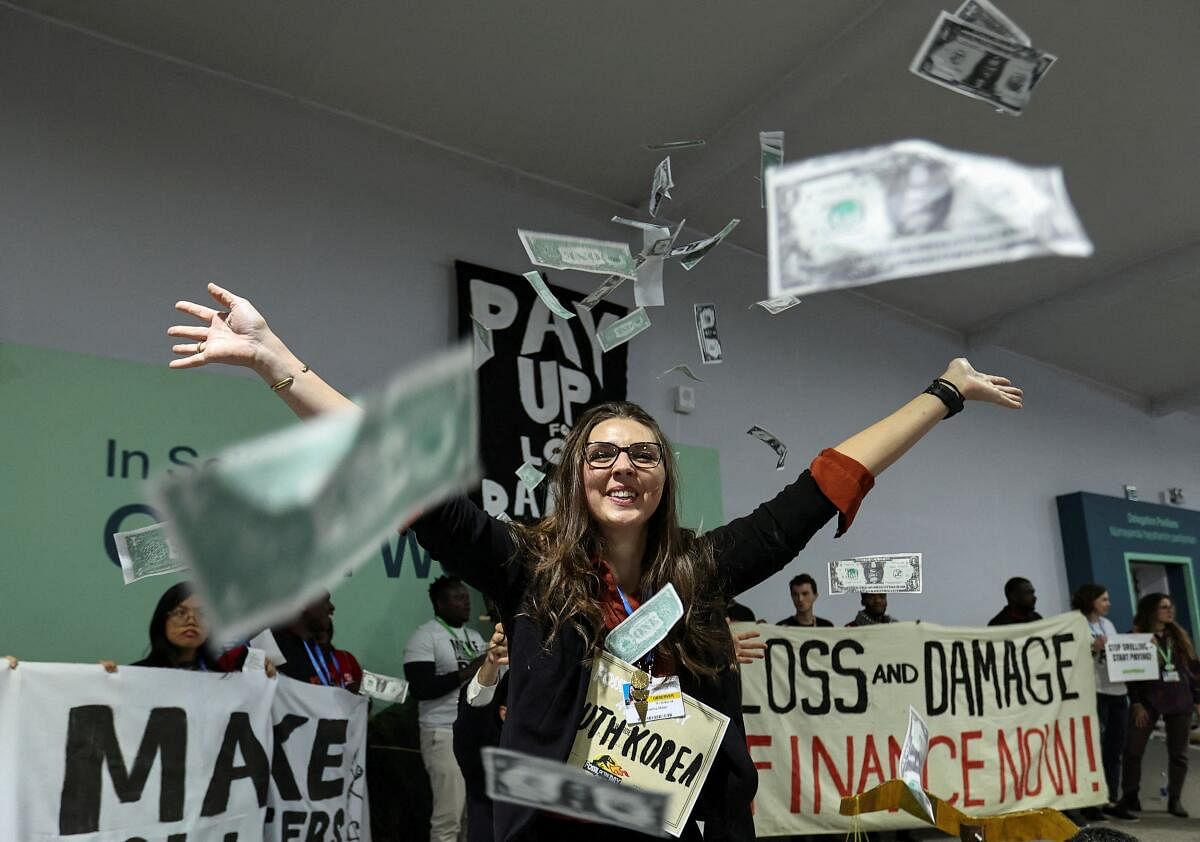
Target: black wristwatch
<point>947,393</point>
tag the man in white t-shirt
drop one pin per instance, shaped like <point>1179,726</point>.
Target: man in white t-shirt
<point>441,656</point>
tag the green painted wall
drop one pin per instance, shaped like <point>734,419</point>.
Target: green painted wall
<point>79,431</point>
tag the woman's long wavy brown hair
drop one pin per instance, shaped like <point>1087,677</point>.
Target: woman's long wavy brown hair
<point>566,580</point>
<point>1147,615</point>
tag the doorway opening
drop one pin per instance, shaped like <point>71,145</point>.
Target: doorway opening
<point>1169,574</point>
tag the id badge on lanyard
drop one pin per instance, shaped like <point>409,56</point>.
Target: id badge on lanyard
<point>648,697</point>
<point>1170,675</point>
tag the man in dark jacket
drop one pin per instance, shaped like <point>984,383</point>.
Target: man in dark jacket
<point>1021,598</point>
<point>874,611</point>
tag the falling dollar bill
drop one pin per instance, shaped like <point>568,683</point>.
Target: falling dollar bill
<point>692,253</point>
<point>910,208</point>
<point>771,441</point>
<point>255,660</point>
<point>646,627</point>
<point>265,642</point>
<point>601,292</point>
<point>897,573</point>
<point>912,759</point>
<point>637,223</point>
<point>770,154</point>
<point>529,476</point>
<point>276,521</point>
<point>548,298</point>
<point>675,144</point>
<point>660,187</point>
<point>148,551</point>
<point>623,329</point>
<point>648,286</point>
<point>682,369</point>
<point>775,306</point>
<point>974,62</point>
<point>383,687</point>
<point>656,245</point>
<point>482,347</point>
<point>556,251</point>
<point>706,333</point>
<point>543,784</point>
<point>983,15</point>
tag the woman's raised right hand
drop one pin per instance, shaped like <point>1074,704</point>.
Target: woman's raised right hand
<point>236,336</point>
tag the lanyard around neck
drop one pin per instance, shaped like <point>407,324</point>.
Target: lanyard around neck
<point>320,665</point>
<point>624,599</point>
<point>1168,656</point>
<point>648,658</point>
<point>468,644</point>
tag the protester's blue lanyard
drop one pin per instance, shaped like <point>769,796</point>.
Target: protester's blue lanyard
<point>320,665</point>
<point>648,658</point>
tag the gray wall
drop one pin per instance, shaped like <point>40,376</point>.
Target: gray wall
<point>127,182</point>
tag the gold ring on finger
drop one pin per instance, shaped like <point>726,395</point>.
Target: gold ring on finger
<point>200,347</point>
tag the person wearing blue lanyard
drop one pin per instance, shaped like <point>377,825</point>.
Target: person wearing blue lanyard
<point>307,645</point>
<point>615,525</point>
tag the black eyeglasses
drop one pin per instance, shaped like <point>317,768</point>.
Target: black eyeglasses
<point>643,454</point>
<point>182,615</point>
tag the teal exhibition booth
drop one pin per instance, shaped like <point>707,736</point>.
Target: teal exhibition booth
<point>1132,548</point>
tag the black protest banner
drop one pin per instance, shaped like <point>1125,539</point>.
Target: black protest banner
<point>543,371</point>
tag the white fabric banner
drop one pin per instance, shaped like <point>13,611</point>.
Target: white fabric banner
<point>1011,713</point>
<point>155,755</point>
<point>319,784</point>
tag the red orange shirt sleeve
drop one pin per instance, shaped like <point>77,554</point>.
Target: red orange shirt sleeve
<point>844,481</point>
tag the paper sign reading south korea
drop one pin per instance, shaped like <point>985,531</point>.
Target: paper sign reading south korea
<point>672,756</point>
<point>1131,657</point>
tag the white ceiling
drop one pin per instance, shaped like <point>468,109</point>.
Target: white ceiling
<point>571,90</point>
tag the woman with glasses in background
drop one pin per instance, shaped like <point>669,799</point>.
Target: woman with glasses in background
<point>613,541</point>
<point>1172,695</point>
<point>178,633</point>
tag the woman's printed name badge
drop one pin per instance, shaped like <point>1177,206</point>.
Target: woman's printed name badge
<point>664,701</point>
<point>1170,675</point>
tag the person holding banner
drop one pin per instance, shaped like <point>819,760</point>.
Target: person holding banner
<point>612,542</point>
<point>178,634</point>
<point>306,644</point>
<point>804,597</point>
<point>1112,705</point>
<point>1172,696</point>
<point>873,612</point>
